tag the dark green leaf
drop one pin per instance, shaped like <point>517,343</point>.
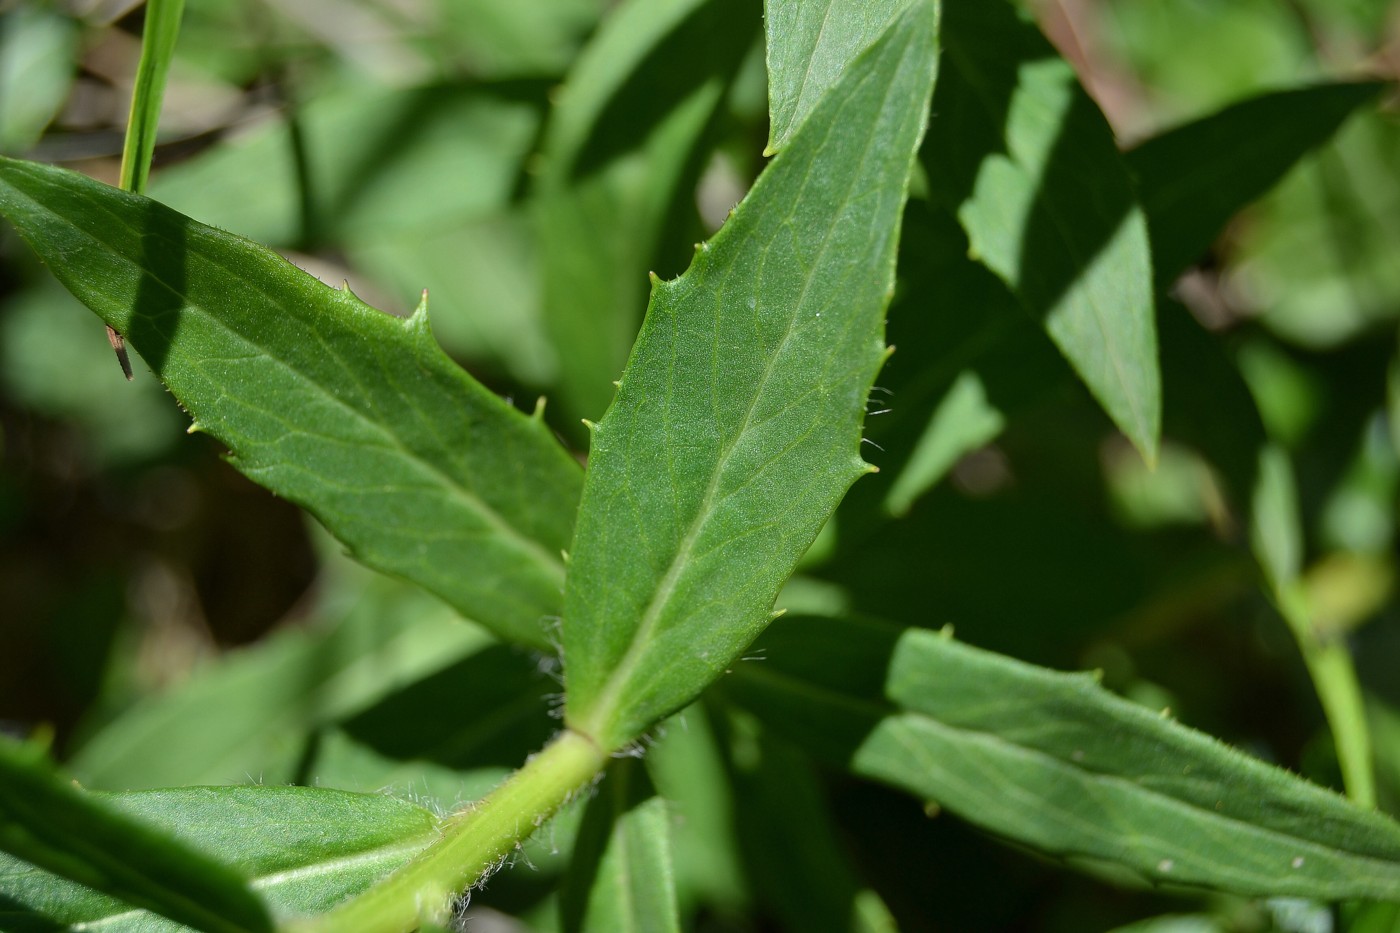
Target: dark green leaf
<point>735,429</point>
<point>1055,762</point>
<point>53,825</point>
<point>1194,178</point>
<point>620,877</point>
<point>1030,165</point>
<point>356,415</point>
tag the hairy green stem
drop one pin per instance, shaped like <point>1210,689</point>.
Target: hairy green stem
<point>473,842</point>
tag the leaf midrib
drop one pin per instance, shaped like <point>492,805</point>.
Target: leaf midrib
<point>641,638</point>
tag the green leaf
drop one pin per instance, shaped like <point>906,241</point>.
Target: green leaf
<point>1055,762</point>
<point>1194,178</point>
<point>38,48</point>
<point>1030,165</point>
<point>797,863</point>
<point>355,415</point>
<point>48,822</point>
<point>621,151</point>
<point>160,28</point>
<point>304,848</point>
<point>736,426</point>
<point>810,44</point>
<point>252,714</point>
<point>620,877</point>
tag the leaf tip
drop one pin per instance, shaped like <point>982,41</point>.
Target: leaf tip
<point>592,426</point>
<point>776,614</point>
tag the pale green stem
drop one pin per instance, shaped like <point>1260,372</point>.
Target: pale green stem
<point>472,843</point>
<point>1334,678</point>
<point>157,48</point>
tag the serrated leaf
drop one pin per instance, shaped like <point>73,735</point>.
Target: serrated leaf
<point>355,415</point>
<point>620,152</point>
<point>1194,178</point>
<point>82,838</point>
<point>620,876</point>
<point>1055,762</point>
<point>736,426</point>
<point>1030,165</point>
<point>809,45</point>
<point>303,848</point>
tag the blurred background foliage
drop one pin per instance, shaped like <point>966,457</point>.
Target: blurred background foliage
<point>174,624</point>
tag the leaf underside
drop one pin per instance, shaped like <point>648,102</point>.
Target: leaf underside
<point>736,425</point>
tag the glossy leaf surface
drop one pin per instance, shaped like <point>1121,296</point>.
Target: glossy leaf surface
<point>736,426</point>
<point>358,416</point>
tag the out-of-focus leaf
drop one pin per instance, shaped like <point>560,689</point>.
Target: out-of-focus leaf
<point>357,416</point>
<point>377,162</point>
<point>963,420</point>
<point>303,848</point>
<point>1318,258</point>
<point>809,45</point>
<point>38,47</point>
<point>621,152</point>
<point>79,837</point>
<point>744,394</point>
<point>250,716</point>
<point>794,859</point>
<point>1024,156</point>
<point>416,186</point>
<point>1194,178</point>
<point>1055,762</point>
<point>620,877</point>
<point>687,767</point>
<point>513,38</point>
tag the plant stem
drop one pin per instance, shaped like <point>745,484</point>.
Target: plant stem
<point>1334,678</point>
<point>473,842</point>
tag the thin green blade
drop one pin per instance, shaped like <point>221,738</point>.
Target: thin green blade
<point>80,837</point>
<point>1055,762</point>
<point>735,429</point>
<point>620,877</point>
<point>809,45</point>
<point>1029,163</point>
<point>303,848</point>
<point>358,416</point>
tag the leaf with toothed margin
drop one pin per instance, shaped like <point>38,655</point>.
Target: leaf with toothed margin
<point>736,427</point>
<point>356,415</point>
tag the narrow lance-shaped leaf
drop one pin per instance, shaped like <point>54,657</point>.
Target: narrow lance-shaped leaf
<point>736,426</point>
<point>356,415</point>
<point>48,822</point>
<point>1055,762</point>
<point>1030,165</point>
<point>620,876</point>
<point>1194,178</point>
<point>810,43</point>
<point>302,848</point>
